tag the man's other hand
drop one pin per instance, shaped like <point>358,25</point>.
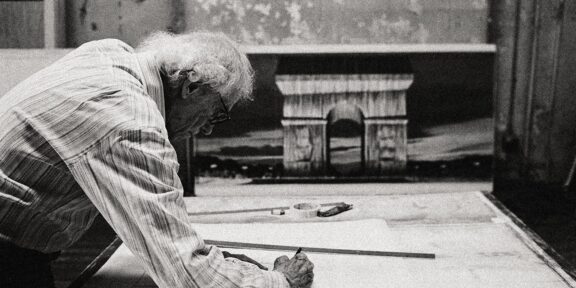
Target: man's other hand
<point>298,270</point>
<point>244,258</point>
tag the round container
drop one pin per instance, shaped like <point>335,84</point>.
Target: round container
<point>304,210</point>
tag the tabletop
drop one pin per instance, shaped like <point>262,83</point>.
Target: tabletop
<point>475,243</point>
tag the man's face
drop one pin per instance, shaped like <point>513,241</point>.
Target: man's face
<point>196,110</point>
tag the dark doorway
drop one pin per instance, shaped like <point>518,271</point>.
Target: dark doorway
<point>345,141</point>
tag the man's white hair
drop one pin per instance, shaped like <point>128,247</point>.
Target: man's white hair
<point>205,57</point>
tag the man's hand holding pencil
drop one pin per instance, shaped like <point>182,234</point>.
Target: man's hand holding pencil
<point>298,270</point>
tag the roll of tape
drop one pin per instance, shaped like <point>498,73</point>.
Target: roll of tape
<point>304,210</point>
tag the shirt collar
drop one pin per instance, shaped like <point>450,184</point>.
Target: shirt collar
<point>152,80</point>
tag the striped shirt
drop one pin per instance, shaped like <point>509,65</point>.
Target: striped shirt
<point>87,135</point>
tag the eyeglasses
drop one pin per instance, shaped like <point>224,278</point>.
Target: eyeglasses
<point>221,115</point>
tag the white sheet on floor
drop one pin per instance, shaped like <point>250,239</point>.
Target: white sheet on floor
<point>467,255</point>
<point>472,255</point>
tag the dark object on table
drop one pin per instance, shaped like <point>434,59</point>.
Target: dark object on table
<point>335,210</point>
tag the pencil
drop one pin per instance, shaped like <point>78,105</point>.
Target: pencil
<point>298,251</point>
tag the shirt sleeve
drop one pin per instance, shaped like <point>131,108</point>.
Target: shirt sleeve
<point>132,180</point>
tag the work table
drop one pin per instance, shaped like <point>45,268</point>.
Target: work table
<point>476,243</point>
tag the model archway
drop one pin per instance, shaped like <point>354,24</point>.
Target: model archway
<point>308,99</point>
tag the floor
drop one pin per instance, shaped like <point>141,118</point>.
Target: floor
<point>551,214</point>
<point>74,260</point>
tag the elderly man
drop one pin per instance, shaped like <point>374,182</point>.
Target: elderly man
<point>87,135</point>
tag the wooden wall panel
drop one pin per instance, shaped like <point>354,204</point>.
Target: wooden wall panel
<point>523,72</point>
<point>54,23</point>
<point>541,95</point>
<point>21,24</point>
<point>563,132</point>
<point>535,78</point>
<point>504,29</point>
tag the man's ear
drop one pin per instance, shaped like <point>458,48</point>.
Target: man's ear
<point>191,82</point>
<point>188,88</point>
